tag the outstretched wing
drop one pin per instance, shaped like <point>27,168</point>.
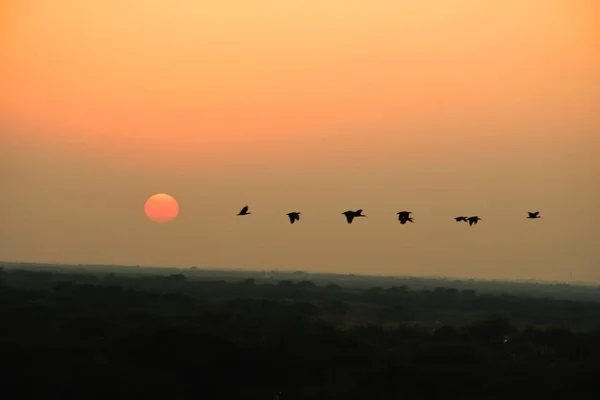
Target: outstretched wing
<point>358,212</point>
<point>349,217</point>
<point>291,217</point>
<point>244,210</point>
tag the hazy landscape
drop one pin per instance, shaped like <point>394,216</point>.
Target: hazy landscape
<point>114,331</point>
<point>299,199</point>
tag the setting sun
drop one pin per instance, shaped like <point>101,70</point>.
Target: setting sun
<point>161,208</point>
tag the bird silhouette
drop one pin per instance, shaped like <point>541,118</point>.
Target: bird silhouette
<point>350,215</point>
<point>294,216</point>
<point>244,211</point>
<point>458,219</point>
<point>473,220</point>
<point>533,215</point>
<point>404,216</point>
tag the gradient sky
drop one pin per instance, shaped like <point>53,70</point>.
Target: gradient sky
<point>443,108</point>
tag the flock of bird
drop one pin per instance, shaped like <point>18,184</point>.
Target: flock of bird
<point>403,216</point>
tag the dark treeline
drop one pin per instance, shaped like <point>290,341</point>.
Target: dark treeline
<point>523,288</point>
<point>78,335</point>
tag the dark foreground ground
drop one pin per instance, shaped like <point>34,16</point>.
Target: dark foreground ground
<point>90,333</point>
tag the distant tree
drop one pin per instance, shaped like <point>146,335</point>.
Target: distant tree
<point>177,278</point>
<point>494,329</point>
<point>398,289</point>
<point>398,313</point>
<point>305,285</point>
<point>63,286</point>
<point>445,333</point>
<point>560,339</point>
<point>333,287</point>
<point>113,290</point>
<point>249,281</point>
<point>308,308</point>
<point>336,307</point>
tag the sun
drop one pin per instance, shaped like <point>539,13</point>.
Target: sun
<point>161,208</point>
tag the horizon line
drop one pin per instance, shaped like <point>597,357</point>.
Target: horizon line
<point>291,271</point>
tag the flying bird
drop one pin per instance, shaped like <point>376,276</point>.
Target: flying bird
<point>350,215</point>
<point>294,216</point>
<point>404,216</point>
<point>533,215</point>
<point>473,220</point>
<point>244,211</point>
<point>458,219</point>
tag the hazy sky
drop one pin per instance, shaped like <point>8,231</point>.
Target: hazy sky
<point>443,108</point>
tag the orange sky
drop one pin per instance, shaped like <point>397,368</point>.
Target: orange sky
<point>440,106</point>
